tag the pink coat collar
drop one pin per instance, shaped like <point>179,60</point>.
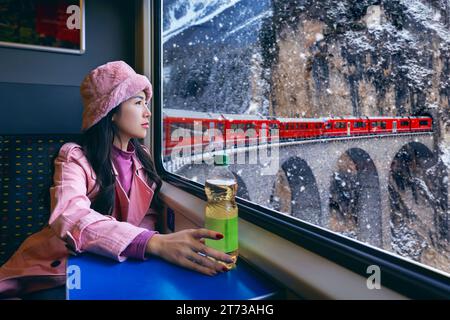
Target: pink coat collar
<point>141,195</point>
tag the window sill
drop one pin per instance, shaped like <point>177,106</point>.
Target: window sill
<point>302,271</point>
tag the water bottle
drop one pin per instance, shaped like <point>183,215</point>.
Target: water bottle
<point>221,213</point>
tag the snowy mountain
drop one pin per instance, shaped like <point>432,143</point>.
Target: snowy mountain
<point>203,21</point>
<point>209,47</point>
<point>351,57</point>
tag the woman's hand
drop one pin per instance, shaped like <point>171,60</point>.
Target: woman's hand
<point>183,248</point>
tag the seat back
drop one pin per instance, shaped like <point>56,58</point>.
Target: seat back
<point>25,175</point>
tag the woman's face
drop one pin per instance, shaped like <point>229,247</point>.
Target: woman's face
<point>133,118</point>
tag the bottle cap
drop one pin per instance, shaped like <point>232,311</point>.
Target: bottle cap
<point>221,160</point>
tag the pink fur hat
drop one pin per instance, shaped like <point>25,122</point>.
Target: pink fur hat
<point>106,87</point>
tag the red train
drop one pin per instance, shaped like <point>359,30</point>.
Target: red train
<point>196,123</point>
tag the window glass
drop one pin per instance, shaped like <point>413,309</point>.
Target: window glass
<point>241,61</point>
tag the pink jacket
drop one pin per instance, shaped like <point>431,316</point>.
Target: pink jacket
<point>40,262</point>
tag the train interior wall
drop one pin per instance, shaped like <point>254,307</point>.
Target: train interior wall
<point>41,90</point>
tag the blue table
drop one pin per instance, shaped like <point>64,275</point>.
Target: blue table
<point>104,279</point>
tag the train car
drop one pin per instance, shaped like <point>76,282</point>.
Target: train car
<point>292,128</point>
<point>392,125</point>
<point>337,127</point>
<point>359,126</point>
<point>401,124</point>
<point>381,125</point>
<point>419,124</point>
<point>347,126</point>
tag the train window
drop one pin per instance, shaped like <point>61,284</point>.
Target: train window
<point>380,124</point>
<point>236,60</point>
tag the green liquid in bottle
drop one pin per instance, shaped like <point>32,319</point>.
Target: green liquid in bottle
<point>222,216</point>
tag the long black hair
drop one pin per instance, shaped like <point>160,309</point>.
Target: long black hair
<point>97,143</point>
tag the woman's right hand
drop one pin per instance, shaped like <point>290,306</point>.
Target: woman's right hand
<point>183,248</point>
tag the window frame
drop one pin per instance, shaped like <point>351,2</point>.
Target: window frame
<point>412,279</point>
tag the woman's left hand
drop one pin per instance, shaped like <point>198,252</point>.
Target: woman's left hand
<point>187,248</point>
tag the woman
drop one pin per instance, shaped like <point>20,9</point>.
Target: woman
<point>101,198</point>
